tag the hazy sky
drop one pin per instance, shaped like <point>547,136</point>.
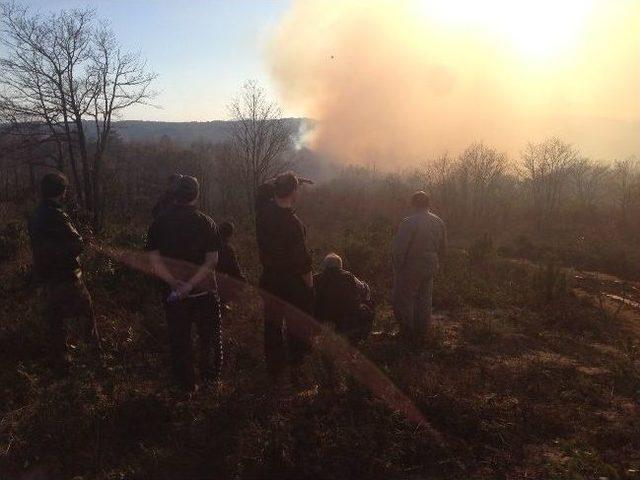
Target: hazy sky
<point>203,50</point>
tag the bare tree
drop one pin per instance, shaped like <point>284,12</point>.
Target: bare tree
<point>226,180</point>
<point>119,80</point>
<point>546,168</point>
<point>260,137</point>
<point>626,177</point>
<point>481,170</point>
<point>440,175</point>
<point>60,71</point>
<point>41,56</point>
<point>588,182</point>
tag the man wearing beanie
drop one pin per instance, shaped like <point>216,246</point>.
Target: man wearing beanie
<point>184,244</point>
<point>56,246</point>
<point>168,198</point>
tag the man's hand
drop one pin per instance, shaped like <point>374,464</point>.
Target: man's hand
<point>308,279</point>
<point>183,289</point>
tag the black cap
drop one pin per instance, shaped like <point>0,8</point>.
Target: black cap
<point>286,183</point>
<point>187,189</point>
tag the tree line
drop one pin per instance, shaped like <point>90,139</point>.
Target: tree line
<point>64,79</point>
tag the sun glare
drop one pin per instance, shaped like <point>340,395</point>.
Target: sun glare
<point>533,28</point>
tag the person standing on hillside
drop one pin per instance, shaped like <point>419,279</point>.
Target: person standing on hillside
<point>168,198</point>
<point>56,246</point>
<point>184,244</point>
<point>420,241</point>
<point>287,278</point>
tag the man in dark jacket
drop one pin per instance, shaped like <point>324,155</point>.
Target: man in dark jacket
<point>168,198</point>
<point>184,245</point>
<point>343,300</point>
<point>287,277</point>
<point>56,246</point>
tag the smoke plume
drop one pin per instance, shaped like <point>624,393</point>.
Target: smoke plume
<point>392,83</point>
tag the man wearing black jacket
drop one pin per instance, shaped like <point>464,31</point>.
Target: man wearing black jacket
<point>287,277</point>
<point>56,246</point>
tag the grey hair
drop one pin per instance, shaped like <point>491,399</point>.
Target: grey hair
<point>332,260</point>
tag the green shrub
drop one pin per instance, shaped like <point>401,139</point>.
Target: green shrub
<point>549,281</point>
<point>12,237</point>
<point>359,256</point>
<point>626,370</point>
<point>524,247</point>
<point>482,329</point>
<point>481,250</point>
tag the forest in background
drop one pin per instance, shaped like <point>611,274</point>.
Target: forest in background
<point>549,203</point>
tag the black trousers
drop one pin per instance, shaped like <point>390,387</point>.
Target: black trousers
<point>204,312</point>
<point>288,324</point>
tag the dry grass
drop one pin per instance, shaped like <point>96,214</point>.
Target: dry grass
<point>516,387</point>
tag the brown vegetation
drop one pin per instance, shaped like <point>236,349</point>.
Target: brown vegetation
<point>520,378</point>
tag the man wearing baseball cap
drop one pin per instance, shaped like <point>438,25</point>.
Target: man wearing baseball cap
<point>184,244</point>
<point>287,277</point>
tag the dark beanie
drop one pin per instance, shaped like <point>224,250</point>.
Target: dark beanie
<point>53,185</point>
<point>187,189</point>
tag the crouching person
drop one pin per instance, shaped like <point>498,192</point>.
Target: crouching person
<point>183,244</point>
<point>56,246</point>
<point>343,300</point>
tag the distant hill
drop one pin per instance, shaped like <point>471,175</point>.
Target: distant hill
<point>182,132</point>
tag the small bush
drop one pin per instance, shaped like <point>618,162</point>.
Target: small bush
<point>359,256</point>
<point>626,371</point>
<point>12,238</point>
<point>549,282</point>
<point>482,330</point>
<point>481,250</point>
<point>524,247</point>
